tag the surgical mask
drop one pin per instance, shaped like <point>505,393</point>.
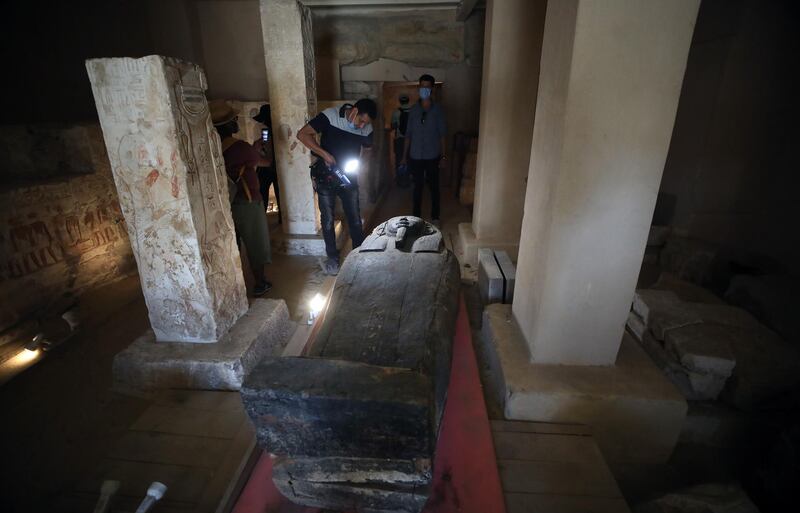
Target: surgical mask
<point>351,124</point>
<point>424,93</point>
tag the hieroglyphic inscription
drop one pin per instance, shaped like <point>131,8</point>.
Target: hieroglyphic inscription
<point>32,246</point>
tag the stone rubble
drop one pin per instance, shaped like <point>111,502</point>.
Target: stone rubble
<point>712,351</point>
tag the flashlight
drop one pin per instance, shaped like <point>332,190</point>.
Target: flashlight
<point>351,166</point>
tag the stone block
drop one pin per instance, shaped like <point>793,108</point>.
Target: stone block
<point>704,386</point>
<point>636,325</point>
<point>149,365</point>
<point>695,386</point>
<point>509,274</point>
<point>662,310</point>
<point>703,348</point>
<point>634,411</point>
<point>490,279</point>
<point>167,163</point>
<point>685,290</point>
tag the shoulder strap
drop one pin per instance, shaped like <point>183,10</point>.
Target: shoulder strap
<point>227,143</point>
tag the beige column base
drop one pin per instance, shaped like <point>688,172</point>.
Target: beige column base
<point>635,413</point>
<point>470,243</point>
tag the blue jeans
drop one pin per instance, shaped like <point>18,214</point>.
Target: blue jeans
<point>326,197</point>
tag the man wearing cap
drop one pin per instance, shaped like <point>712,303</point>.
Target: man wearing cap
<point>345,137</point>
<point>425,148</point>
<point>247,206</point>
<point>268,175</point>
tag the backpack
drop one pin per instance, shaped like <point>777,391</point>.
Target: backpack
<point>403,123</point>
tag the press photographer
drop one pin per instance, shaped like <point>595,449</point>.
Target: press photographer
<point>345,142</point>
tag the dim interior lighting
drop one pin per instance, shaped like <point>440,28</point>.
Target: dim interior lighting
<point>351,166</point>
<point>315,306</point>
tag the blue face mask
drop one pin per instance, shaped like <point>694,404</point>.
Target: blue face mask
<point>424,93</point>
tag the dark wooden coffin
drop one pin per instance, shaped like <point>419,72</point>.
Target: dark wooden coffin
<point>354,422</point>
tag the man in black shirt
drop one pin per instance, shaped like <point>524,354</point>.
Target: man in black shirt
<point>345,136</point>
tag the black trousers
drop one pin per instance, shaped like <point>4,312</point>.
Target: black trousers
<point>269,176</point>
<point>326,198</point>
<point>425,171</point>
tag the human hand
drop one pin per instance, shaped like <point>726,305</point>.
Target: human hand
<point>328,158</point>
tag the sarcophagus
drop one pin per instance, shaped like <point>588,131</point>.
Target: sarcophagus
<point>354,422</point>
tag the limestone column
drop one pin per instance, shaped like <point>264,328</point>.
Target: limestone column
<point>167,164</point>
<point>289,57</point>
<point>609,84</point>
<point>513,41</point>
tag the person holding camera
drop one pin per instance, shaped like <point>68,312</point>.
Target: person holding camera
<point>268,175</point>
<point>247,207</point>
<point>345,142</point>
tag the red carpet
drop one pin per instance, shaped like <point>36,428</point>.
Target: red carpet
<point>465,473</point>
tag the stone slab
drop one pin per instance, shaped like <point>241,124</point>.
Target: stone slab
<point>490,279</point>
<point>306,245</point>
<point>695,386</point>
<point>672,316</point>
<point>703,348</point>
<point>509,274</point>
<point>634,411</point>
<point>148,365</point>
<point>646,301</point>
<point>636,325</point>
<point>167,164</point>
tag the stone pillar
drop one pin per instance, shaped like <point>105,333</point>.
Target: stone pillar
<point>513,42</point>
<point>168,169</point>
<point>289,57</point>
<point>609,84</point>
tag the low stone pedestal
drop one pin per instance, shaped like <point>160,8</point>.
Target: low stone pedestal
<point>147,365</point>
<point>470,244</point>
<point>307,245</point>
<point>635,413</point>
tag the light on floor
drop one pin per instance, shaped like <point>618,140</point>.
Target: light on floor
<point>315,306</point>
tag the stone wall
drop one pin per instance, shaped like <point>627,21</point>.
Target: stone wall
<point>61,229</point>
<point>731,174</point>
<point>382,47</point>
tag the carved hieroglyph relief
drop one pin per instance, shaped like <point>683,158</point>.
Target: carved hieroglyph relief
<point>168,169</point>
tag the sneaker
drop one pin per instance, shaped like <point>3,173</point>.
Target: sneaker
<point>331,267</point>
<point>262,288</point>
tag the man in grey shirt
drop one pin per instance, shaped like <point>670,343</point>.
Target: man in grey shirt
<point>424,153</point>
